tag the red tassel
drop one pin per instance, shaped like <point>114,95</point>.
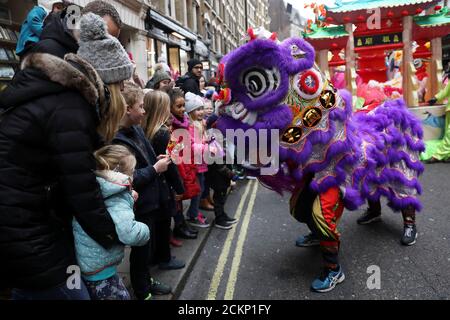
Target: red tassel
<point>251,33</point>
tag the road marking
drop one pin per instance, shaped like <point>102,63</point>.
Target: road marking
<point>215,282</point>
<point>229,292</point>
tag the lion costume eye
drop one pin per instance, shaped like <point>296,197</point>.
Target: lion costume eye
<point>259,81</point>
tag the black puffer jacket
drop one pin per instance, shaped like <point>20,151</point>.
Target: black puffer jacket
<point>46,170</point>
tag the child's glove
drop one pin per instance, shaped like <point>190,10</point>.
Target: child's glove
<point>235,178</point>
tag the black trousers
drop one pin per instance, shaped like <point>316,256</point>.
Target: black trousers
<point>160,240</point>
<point>157,250</point>
<point>139,265</point>
<point>219,198</point>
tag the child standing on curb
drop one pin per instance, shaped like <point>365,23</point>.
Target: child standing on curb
<point>148,167</point>
<point>188,171</point>
<point>220,176</point>
<point>115,167</point>
<point>194,108</point>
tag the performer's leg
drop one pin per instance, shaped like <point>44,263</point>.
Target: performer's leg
<point>409,229</point>
<point>372,214</point>
<point>326,212</point>
<point>303,213</point>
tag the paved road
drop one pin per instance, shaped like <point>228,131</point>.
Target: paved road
<point>259,260</point>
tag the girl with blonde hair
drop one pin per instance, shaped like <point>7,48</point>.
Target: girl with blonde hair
<point>157,109</point>
<point>115,168</point>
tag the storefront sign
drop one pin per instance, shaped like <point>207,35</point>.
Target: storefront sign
<point>378,40</point>
<point>206,65</point>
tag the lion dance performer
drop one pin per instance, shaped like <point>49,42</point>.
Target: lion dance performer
<point>330,158</point>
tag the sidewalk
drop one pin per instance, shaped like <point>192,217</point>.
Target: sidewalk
<point>189,253</point>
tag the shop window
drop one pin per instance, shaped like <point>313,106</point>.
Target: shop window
<point>151,56</point>
<point>184,57</point>
<point>174,59</point>
<point>199,20</point>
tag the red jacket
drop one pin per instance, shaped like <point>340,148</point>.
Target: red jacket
<point>188,172</point>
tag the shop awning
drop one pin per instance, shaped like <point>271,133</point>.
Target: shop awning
<point>169,25</point>
<point>201,49</point>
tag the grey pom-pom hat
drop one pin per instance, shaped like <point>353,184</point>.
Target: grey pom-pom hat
<point>104,52</point>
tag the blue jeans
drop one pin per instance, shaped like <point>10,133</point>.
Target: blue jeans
<point>192,212</point>
<point>61,292</point>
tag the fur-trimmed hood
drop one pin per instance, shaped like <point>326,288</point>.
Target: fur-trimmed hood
<point>44,74</point>
<point>112,182</point>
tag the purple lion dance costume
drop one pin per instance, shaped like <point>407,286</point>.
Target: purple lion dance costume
<point>330,157</point>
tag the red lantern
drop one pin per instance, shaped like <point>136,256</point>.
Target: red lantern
<point>347,19</point>
<point>390,14</point>
<point>330,19</point>
<point>437,8</point>
<point>405,13</point>
<point>334,45</point>
<point>361,18</point>
<point>419,10</point>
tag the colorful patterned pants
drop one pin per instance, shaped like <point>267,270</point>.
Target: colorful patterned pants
<point>108,289</point>
<point>321,212</point>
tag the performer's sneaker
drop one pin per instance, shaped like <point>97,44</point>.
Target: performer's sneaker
<point>409,234</point>
<point>369,217</point>
<point>328,280</point>
<point>307,241</point>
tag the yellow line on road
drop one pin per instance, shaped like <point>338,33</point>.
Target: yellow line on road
<point>215,282</point>
<point>229,292</point>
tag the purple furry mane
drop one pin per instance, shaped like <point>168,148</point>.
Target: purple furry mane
<point>367,155</point>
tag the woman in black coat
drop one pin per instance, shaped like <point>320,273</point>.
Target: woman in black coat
<point>47,138</point>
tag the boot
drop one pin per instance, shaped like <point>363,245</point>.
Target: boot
<point>205,205</point>
<point>210,200</point>
<point>182,232</point>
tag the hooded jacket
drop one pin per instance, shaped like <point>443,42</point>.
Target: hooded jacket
<point>93,259</point>
<point>46,170</point>
<point>56,38</point>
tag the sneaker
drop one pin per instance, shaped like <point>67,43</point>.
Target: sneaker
<point>159,288</point>
<point>369,217</point>
<point>222,224</point>
<point>328,280</point>
<point>409,234</point>
<point>173,264</point>
<point>149,297</point>
<point>229,219</point>
<point>198,222</point>
<point>309,240</point>
<point>183,232</point>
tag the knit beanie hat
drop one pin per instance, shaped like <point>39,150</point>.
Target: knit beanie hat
<point>192,102</point>
<point>192,63</point>
<point>160,76</point>
<point>104,52</point>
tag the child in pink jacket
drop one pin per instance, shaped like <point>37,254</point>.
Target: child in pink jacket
<point>194,108</point>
